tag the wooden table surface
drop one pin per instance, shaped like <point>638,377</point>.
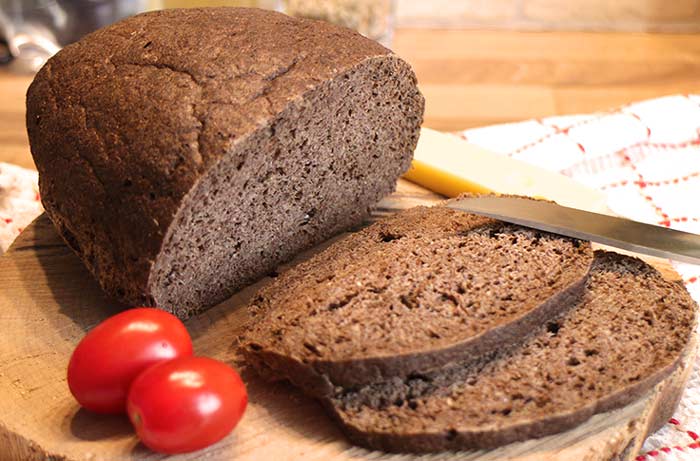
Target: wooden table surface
<point>473,78</point>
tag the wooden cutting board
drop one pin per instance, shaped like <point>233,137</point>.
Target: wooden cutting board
<point>48,301</point>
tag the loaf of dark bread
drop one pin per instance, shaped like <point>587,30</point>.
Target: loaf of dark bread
<point>184,153</point>
<point>626,334</point>
<point>409,294</point>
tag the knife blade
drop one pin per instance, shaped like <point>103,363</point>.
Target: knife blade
<point>609,230</point>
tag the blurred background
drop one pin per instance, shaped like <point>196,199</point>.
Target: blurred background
<point>479,62</point>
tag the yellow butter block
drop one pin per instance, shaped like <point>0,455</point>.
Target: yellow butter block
<point>450,166</point>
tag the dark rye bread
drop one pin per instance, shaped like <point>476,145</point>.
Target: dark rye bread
<point>409,294</point>
<point>185,153</point>
<point>625,335</point>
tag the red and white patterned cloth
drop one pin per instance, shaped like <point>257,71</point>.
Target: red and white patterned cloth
<point>19,201</point>
<point>645,156</point>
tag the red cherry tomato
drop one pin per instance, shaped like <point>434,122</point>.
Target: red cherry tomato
<point>186,404</point>
<point>116,351</point>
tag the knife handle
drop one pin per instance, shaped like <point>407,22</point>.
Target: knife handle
<point>448,165</point>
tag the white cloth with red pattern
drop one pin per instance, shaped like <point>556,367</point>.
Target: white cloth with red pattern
<point>19,201</point>
<point>645,156</point>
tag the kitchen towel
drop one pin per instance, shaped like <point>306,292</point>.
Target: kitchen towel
<point>644,156</point>
<point>19,201</point>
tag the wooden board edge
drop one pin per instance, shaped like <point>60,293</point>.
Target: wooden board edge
<point>666,396</point>
<point>16,447</point>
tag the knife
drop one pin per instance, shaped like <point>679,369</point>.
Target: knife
<point>609,230</point>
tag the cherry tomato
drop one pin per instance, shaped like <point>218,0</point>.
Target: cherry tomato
<point>116,351</point>
<point>186,404</point>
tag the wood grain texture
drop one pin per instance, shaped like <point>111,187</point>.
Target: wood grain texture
<point>48,301</point>
<point>600,15</point>
<point>14,144</point>
<point>478,77</point>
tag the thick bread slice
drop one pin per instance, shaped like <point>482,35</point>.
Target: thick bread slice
<point>185,153</point>
<point>410,294</point>
<point>625,335</point>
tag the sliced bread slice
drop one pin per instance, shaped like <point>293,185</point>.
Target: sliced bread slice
<point>625,335</point>
<point>410,294</point>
